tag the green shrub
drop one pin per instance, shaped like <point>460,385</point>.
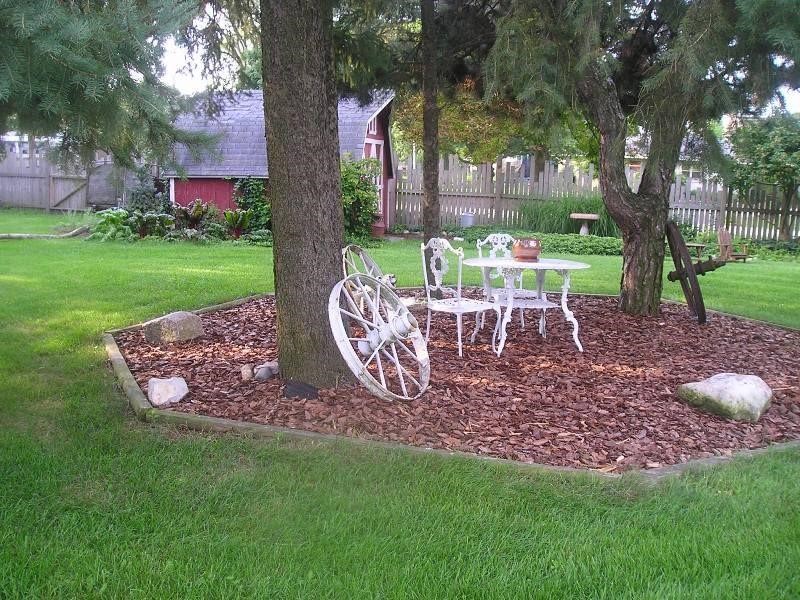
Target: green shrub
<point>259,237</point>
<point>364,241</point>
<point>112,224</point>
<point>150,223</point>
<point>146,199</point>
<point>250,194</point>
<point>553,216</point>
<point>187,234</point>
<point>194,215</point>
<point>359,196</point>
<point>688,232</point>
<point>237,221</point>
<point>216,231</point>
<point>552,243</point>
<point>776,249</point>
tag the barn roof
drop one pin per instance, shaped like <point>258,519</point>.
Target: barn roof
<point>241,150</point>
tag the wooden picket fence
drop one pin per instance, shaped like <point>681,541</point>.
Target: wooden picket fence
<point>34,182</point>
<point>494,194</point>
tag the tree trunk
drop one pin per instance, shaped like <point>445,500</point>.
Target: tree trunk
<point>300,110</point>
<point>641,216</point>
<point>430,128</point>
<point>786,220</point>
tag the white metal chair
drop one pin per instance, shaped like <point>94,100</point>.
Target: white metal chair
<point>452,303</point>
<point>501,244</point>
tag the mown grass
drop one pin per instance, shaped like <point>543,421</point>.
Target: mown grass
<point>15,220</point>
<point>96,504</point>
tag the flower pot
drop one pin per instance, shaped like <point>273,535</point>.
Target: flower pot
<point>527,249</point>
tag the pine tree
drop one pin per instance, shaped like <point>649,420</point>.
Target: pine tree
<point>668,66</point>
<point>87,72</point>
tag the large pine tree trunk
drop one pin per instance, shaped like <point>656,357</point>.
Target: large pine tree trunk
<point>300,108</point>
<point>430,126</point>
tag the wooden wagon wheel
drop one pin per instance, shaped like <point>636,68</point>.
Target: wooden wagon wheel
<point>379,338</point>
<point>685,272</point>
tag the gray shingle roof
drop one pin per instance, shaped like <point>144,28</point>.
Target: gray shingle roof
<point>241,149</point>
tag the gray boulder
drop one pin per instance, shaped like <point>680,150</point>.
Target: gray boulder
<point>740,397</point>
<point>175,327</point>
<point>266,371</point>
<point>161,392</point>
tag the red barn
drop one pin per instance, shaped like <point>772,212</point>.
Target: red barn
<point>241,150</point>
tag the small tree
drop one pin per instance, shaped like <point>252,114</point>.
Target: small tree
<point>767,151</point>
<point>667,66</point>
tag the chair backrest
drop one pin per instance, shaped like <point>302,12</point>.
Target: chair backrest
<point>499,243</point>
<point>439,247</point>
<point>725,244</point>
<point>356,260</point>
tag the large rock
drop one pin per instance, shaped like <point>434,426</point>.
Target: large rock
<point>174,327</point>
<point>161,392</point>
<point>740,397</point>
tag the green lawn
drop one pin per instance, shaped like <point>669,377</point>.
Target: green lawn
<point>95,504</point>
<point>14,220</point>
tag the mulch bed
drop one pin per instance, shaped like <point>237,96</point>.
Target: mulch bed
<point>611,408</point>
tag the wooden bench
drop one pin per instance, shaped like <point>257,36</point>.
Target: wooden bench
<point>726,250</point>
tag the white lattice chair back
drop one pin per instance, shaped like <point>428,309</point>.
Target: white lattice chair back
<point>499,244</point>
<point>440,266</point>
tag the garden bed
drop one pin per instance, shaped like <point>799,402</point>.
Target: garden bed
<point>611,408</point>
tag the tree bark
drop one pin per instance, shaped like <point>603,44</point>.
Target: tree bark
<point>786,220</point>
<point>300,110</point>
<point>430,128</point>
<point>641,216</point>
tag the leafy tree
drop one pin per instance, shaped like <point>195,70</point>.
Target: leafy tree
<point>87,72</point>
<point>359,196</point>
<point>670,65</point>
<point>767,151</point>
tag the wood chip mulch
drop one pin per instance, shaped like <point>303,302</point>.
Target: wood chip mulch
<point>611,408</point>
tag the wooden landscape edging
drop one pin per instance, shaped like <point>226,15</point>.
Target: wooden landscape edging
<point>146,412</point>
<point>45,236</point>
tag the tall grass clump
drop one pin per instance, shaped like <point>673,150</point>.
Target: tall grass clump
<point>552,216</point>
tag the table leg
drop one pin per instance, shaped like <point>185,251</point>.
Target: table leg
<point>567,312</point>
<point>509,276</point>
<point>540,273</point>
<point>487,291</point>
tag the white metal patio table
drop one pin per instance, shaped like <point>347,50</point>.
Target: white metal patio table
<point>510,269</point>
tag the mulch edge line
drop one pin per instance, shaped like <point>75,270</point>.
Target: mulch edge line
<point>146,412</point>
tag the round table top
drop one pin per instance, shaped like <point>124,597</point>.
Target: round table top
<point>556,264</point>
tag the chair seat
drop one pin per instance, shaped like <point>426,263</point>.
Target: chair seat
<point>462,305</point>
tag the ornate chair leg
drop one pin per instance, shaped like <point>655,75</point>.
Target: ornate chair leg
<point>478,323</point>
<point>428,327</point>
<point>543,323</point>
<point>522,318</point>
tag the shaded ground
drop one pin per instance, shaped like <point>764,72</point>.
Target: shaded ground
<point>610,408</point>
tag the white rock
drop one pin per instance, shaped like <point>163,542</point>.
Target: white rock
<point>740,397</point>
<point>161,392</point>
<point>247,372</point>
<point>174,327</point>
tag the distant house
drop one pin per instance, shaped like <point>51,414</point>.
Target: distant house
<point>242,151</point>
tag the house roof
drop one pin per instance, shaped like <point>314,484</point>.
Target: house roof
<point>241,149</point>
